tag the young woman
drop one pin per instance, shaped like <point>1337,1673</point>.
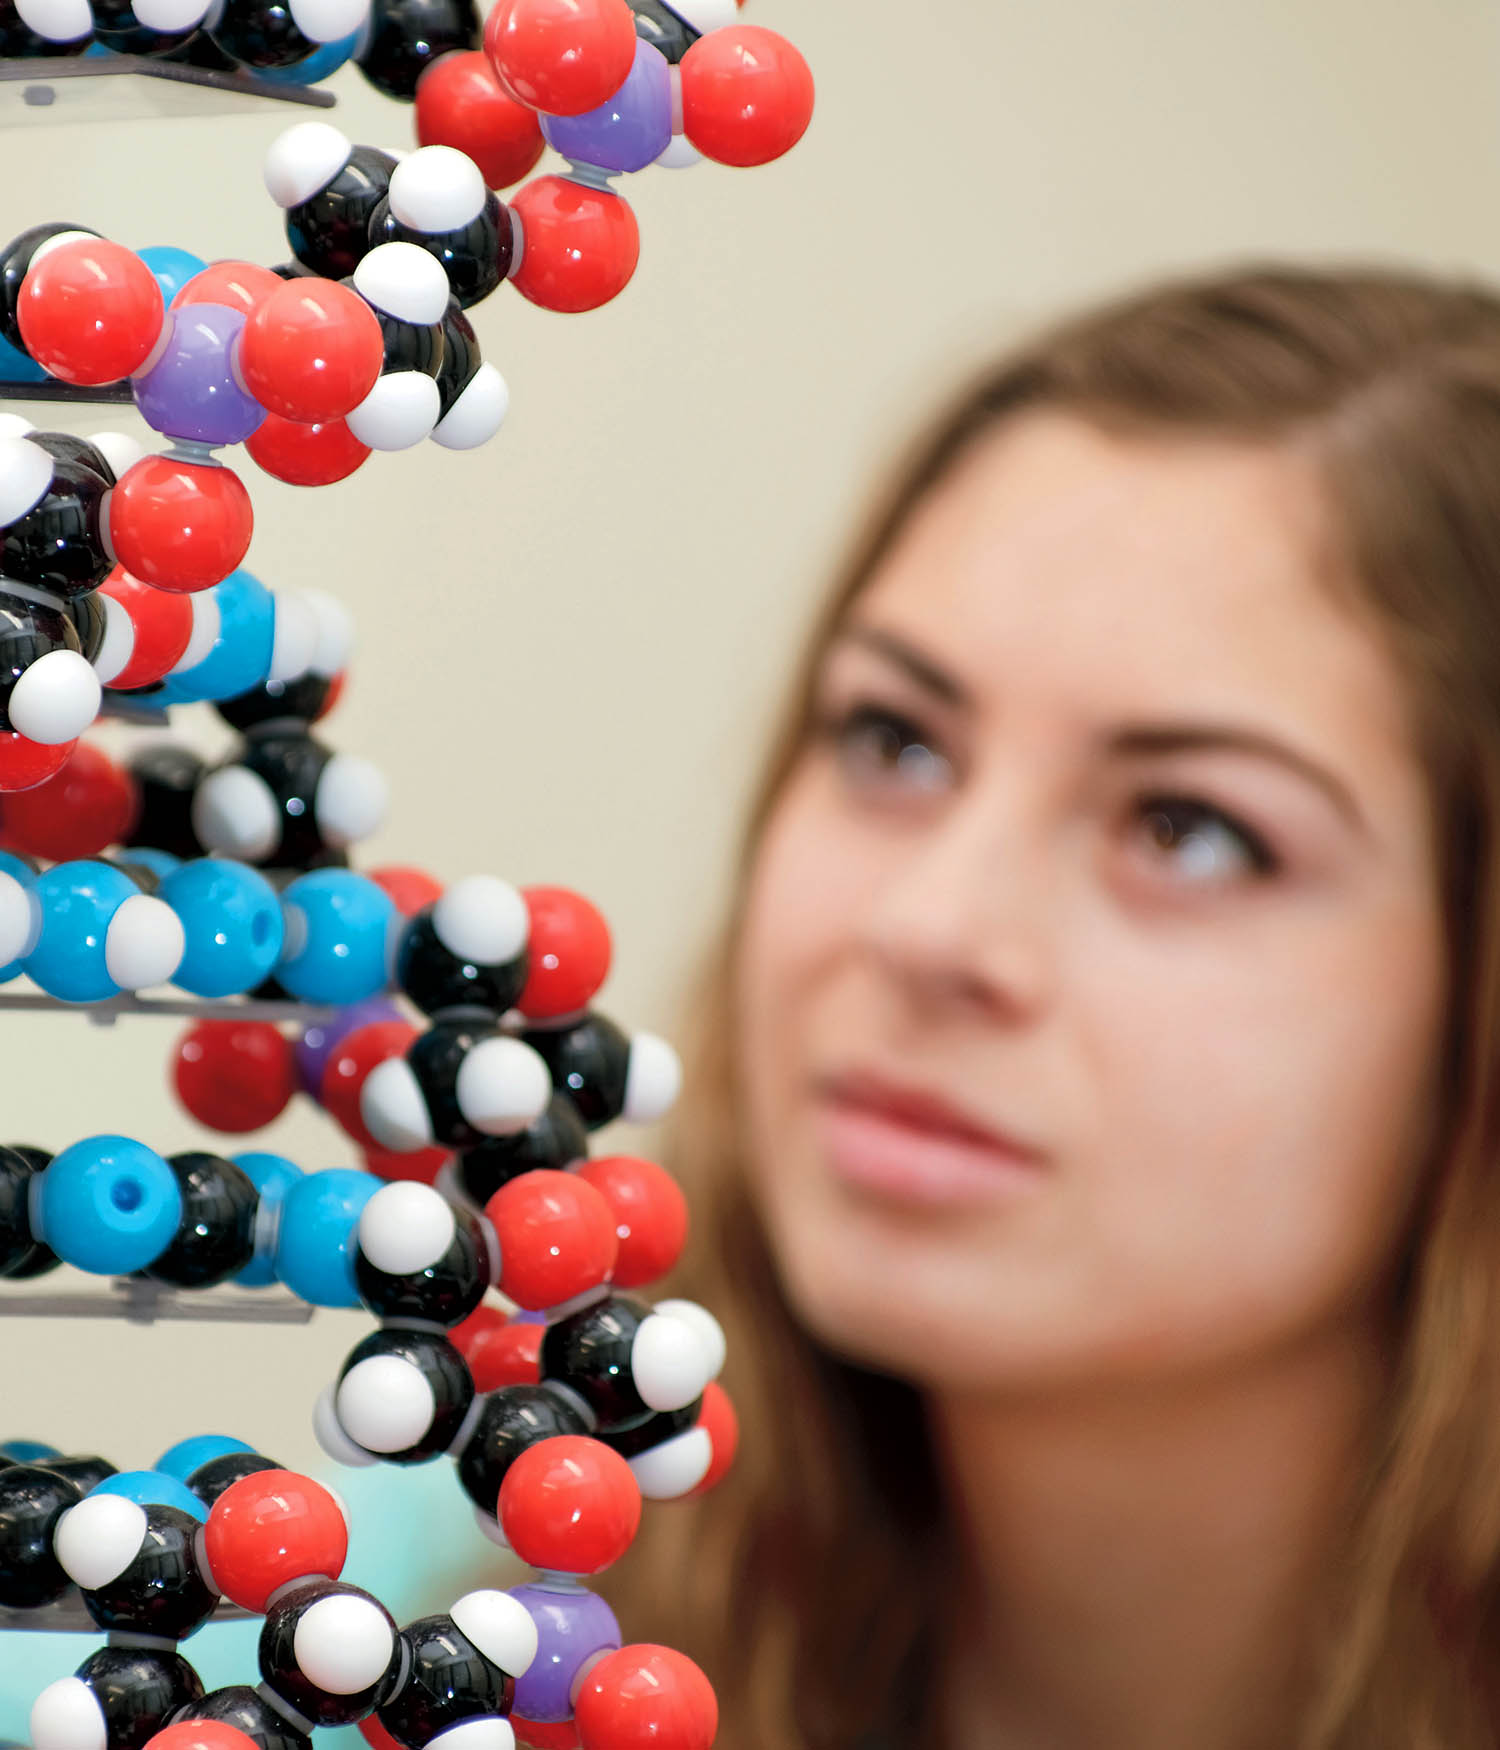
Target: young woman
<point>1093,1128</point>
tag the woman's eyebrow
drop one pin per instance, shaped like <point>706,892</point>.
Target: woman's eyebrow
<point>922,669</point>
<point>1167,738</point>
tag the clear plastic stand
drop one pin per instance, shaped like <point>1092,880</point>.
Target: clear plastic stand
<point>123,88</point>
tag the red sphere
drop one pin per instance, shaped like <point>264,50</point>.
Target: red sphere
<point>561,56</point>
<point>569,951</point>
<point>570,1505</point>
<point>499,1351</point>
<point>580,244</point>
<point>650,1211</point>
<point>179,525</point>
<point>314,454</point>
<point>234,1076</point>
<point>557,1238</point>
<point>161,625</point>
<point>200,1735</point>
<point>311,350</point>
<point>350,1061</point>
<point>239,285</point>
<point>423,1164</point>
<point>90,311</point>
<point>718,1420</point>
<point>747,95</point>
<point>646,1698</point>
<point>269,1528</point>
<point>376,1736</point>
<point>461,103</point>
<point>25,764</point>
<point>85,808</point>
<point>409,890</point>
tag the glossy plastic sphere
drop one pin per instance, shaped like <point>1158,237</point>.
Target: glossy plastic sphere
<point>88,806</point>
<point>338,930</point>
<point>571,1628</point>
<point>570,1505</point>
<point>100,934</point>
<point>170,268</point>
<point>420,1257</point>
<point>570,950</point>
<point>190,389</point>
<point>240,285</point>
<point>580,244</point>
<point>234,1076</point>
<point>349,1065</point>
<point>109,1205</point>
<point>411,890</point>
<point>630,129</point>
<point>320,1039</point>
<point>650,1213</point>
<point>216,1237</point>
<point>561,56</point>
<point>25,763</point>
<point>461,103</point>
<point>315,1245</point>
<point>32,1500</point>
<point>557,1238</point>
<point>20,920</point>
<point>270,1528</point>
<point>500,1351</point>
<point>182,1458</point>
<point>747,95</point>
<point>316,454</point>
<point>179,525</point>
<point>311,351</point>
<point>404,1392</point>
<point>154,629</point>
<point>89,311</point>
<point>272,1176</point>
<point>234,629</point>
<point>201,1735</point>
<point>329,1650</point>
<point>718,1420</point>
<point>406,37</point>
<point>646,1698</point>
<point>232,923</point>
<point>152,1488</point>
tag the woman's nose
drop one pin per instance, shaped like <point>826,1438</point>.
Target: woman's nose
<point>962,913</point>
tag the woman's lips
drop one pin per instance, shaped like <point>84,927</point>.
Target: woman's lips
<point>912,1147</point>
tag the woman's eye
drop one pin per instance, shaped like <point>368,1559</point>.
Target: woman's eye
<point>1204,842</point>
<point>881,747</point>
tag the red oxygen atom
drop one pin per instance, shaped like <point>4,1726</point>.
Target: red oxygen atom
<point>747,95</point>
<point>234,1076</point>
<point>461,103</point>
<point>238,285</point>
<point>570,1505</point>
<point>561,56</point>
<point>646,1698</point>
<point>315,454</point>
<point>568,950</point>
<point>179,525</point>
<point>557,1238</point>
<point>25,764</point>
<point>311,350</point>
<point>86,807</point>
<point>581,244</point>
<point>161,624</point>
<point>270,1528</point>
<point>90,311</point>
<point>650,1213</point>
<point>409,890</point>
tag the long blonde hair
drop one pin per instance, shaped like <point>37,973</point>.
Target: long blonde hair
<point>808,1584</point>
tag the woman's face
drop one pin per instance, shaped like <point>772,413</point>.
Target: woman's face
<point>1091,987</point>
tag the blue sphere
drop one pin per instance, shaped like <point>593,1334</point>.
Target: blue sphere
<point>326,59</point>
<point>232,923</point>
<point>272,1176</point>
<point>109,1205</point>
<point>170,268</point>
<point>152,1488</point>
<point>17,366</point>
<point>315,1246</point>
<point>28,1451</point>
<point>240,656</point>
<point>339,927</point>
<point>15,907</point>
<point>99,934</point>
<point>182,1459</point>
<point>160,863</point>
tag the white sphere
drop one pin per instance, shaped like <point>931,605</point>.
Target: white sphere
<point>343,1643</point>
<point>706,15</point>
<point>56,699</point>
<point>653,1079</point>
<point>502,1086</point>
<point>119,449</point>
<point>96,1541</point>
<point>392,1107</point>
<point>25,475</point>
<point>406,1227</point>
<point>12,425</point>
<point>332,1438</point>
<point>350,801</point>
<point>294,636</point>
<point>329,21</point>
<point>170,15</point>
<point>437,189</point>
<point>20,920</point>
<point>676,1467</point>
<point>403,280</point>
<point>400,410</point>
<point>482,919</point>
<point>477,414</point>
<point>667,1363</point>
<point>118,644</point>
<point>235,814</point>
<point>144,943</point>
<point>385,1404</point>
<point>710,1331</point>
<point>57,21</point>
<point>500,1626</point>
<point>67,1716</point>
<point>302,160</point>
<point>680,154</point>
<point>335,632</point>
<point>204,633</point>
<point>483,1732</point>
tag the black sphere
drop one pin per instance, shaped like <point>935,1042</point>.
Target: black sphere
<point>591,1350</point>
<point>215,1238</point>
<point>447,1376</point>
<point>589,1062</point>
<point>166,777</point>
<point>32,1500</point>
<point>448,1681</point>
<point>554,1141</point>
<point>444,1293</point>
<point>58,545</point>
<point>329,233</point>
<point>407,36</point>
<point>21,1252</point>
<point>161,1590</point>
<point>511,1421</point>
<point>283,1671</point>
<point>248,1711</point>
<point>210,1480</point>
<point>138,1689</point>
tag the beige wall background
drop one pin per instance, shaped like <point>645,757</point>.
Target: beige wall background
<point>570,641</point>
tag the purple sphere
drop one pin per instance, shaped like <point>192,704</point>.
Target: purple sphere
<point>570,1626</point>
<point>191,391</point>
<point>627,131</point>
<point>318,1042</point>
